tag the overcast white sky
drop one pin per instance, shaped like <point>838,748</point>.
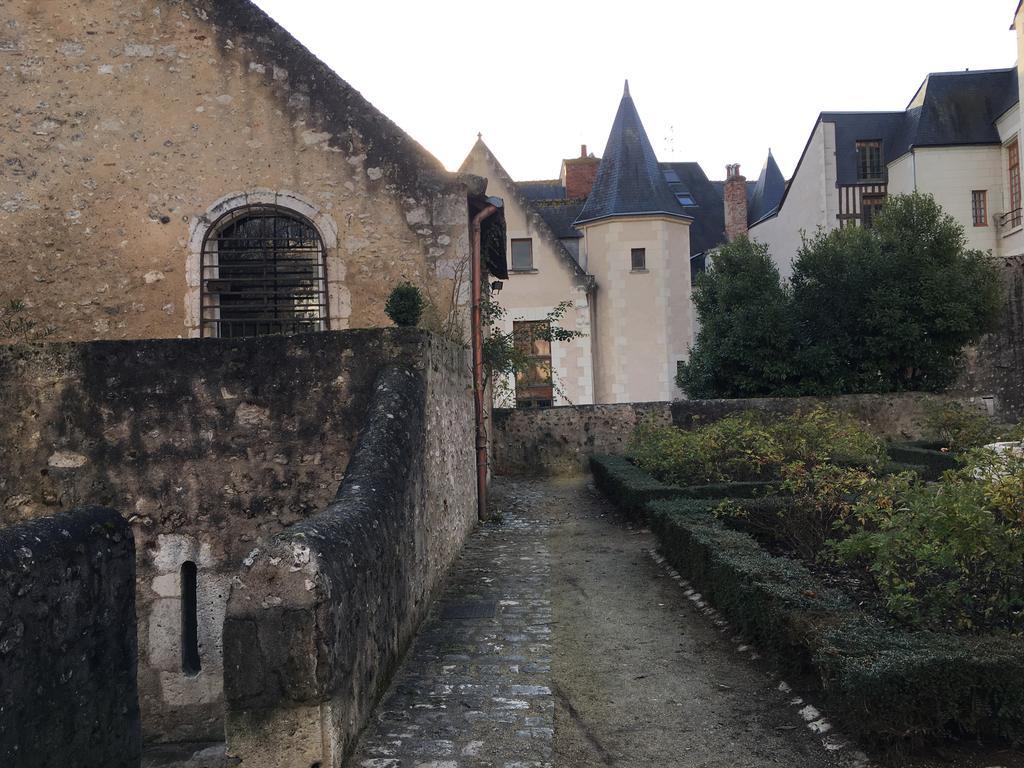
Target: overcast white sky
<point>717,81</point>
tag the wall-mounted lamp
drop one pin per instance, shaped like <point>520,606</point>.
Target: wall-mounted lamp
<point>496,286</point>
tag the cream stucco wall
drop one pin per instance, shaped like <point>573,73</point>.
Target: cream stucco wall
<point>950,174</point>
<point>811,202</point>
<point>901,175</point>
<point>644,318</point>
<point>532,295</point>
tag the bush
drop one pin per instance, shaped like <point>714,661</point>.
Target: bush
<point>818,500</point>
<point>752,447</point>
<point>745,332</point>
<point>867,310</point>
<point>405,305</point>
<point>958,428</point>
<point>949,556</point>
<point>932,462</point>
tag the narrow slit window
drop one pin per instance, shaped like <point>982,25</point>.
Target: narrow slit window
<point>190,662</point>
<point>638,259</point>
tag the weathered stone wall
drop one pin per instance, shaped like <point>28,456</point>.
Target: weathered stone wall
<point>996,366</point>
<point>559,441</point>
<point>213,447</point>
<point>319,619</point>
<point>68,693</point>
<point>128,126</point>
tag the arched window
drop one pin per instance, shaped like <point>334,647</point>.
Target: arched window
<point>263,271</point>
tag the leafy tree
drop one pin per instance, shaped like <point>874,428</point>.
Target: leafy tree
<point>744,342</point>
<point>891,308</point>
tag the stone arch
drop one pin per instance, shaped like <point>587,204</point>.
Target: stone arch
<point>339,300</point>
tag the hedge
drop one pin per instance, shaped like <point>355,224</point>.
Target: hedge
<point>935,462</point>
<point>886,683</point>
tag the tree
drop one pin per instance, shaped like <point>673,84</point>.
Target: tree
<point>744,342</point>
<point>892,307</point>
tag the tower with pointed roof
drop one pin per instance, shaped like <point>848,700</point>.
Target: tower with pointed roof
<point>636,244</point>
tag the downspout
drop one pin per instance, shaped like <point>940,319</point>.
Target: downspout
<point>477,333</point>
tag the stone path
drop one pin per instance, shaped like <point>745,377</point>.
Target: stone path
<point>560,641</point>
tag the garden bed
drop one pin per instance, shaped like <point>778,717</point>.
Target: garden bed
<point>886,682</point>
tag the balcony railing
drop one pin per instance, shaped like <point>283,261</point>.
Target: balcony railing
<point>1010,220</point>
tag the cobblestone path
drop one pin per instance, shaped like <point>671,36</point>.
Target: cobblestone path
<point>560,641</point>
<point>475,689</point>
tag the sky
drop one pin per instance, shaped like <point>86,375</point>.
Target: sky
<point>716,82</point>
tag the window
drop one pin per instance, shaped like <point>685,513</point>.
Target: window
<point>670,176</point>
<point>638,258</point>
<point>685,199</point>
<point>979,207</point>
<point>869,160</point>
<point>1013,154</point>
<point>871,206</point>
<point>534,386</point>
<point>263,272</point>
<point>522,255</point>
<point>190,662</point>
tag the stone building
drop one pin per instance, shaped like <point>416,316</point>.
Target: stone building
<point>185,168</point>
<point>619,238</point>
<point>144,141</point>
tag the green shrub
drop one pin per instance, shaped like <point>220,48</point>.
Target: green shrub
<point>405,305</point>
<point>818,500</point>
<point>950,555</point>
<point>753,447</point>
<point>958,428</point>
<point>933,462</point>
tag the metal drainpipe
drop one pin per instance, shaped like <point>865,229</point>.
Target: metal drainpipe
<point>477,333</point>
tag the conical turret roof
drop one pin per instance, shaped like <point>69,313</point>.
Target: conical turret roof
<point>771,185</point>
<point>629,181</point>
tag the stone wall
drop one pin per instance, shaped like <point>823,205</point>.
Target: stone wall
<point>212,447</point>
<point>68,693</point>
<point>320,618</point>
<point>996,366</point>
<point>130,126</point>
<point>559,441</point>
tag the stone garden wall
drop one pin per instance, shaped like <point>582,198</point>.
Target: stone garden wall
<point>68,694</point>
<point>319,619</point>
<point>211,448</point>
<point>561,440</point>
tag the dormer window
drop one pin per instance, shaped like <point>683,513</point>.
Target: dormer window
<point>670,176</point>
<point>869,160</point>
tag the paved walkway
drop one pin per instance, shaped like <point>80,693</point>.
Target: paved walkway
<point>560,641</point>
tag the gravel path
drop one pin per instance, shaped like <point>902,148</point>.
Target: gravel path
<point>561,640</point>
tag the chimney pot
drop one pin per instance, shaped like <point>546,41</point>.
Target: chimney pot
<point>583,150</point>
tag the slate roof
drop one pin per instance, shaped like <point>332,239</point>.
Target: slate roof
<point>708,228</point>
<point>629,181</point>
<point>560,215</point>
<point>768,191</point>
<point>949,109</point>
<point>545,189</point>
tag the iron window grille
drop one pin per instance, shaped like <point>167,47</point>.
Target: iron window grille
<point>263,272</point>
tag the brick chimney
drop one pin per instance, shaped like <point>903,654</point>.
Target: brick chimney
<point>578,174</point>
<point>735,203</point>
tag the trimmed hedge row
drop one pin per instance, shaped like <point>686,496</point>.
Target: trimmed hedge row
<point>888,684</point>
<point>630,488</point>
<point>932,461</point>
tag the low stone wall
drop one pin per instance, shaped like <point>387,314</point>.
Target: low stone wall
<point>68,694</point>
<point>213,447</point>
<point>561,440</point>
<point>320,618</point>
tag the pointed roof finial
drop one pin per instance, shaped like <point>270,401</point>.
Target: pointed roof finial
<point>479,136</point>
<point>625,91</point>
